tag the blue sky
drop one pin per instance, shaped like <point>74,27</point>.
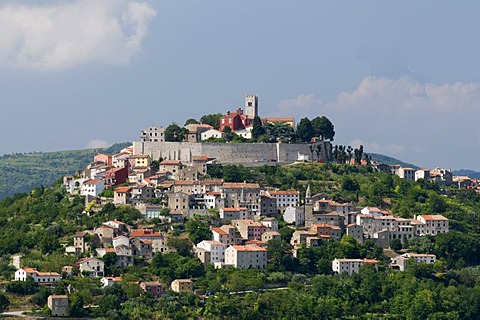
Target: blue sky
<point>400,78</point>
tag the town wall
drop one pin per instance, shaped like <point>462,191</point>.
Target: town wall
<point>230,152</point>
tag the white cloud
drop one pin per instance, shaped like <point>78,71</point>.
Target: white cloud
<point>423,123</point>
<point>96,143</point>
<point>65,35</point>
<point>407,94</point>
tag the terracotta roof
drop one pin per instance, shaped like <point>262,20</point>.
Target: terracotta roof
<point>233,209</point>
<point>170,162</point>
<point>183,280</point>
<point>434,217</point>
<point>202,158</point>
<point>416,222</point>
<point>219,231</point>
<point>118,222</point>
<point>95,181</point>
<point>29,270</point>
<point>198,182</point>
<point>144,233</point>
<point>358,260</point>
<point>272,233</point>
<point>104,226</point>
<point>123,189</point>
<point>76,264</point>
<point>114,279</point>
<point>284,192</point>
<point>213,242</point>
<point>250,242</point>
<point>249,222</point>
<point>248,248</point>
<point>236,185</point>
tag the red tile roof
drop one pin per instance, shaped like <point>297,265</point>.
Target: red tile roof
<point>219,231</point>
<point>236,185</point>
<point>170,162</point>
<point>248,248</point>
<point>144,233</point>
<point>434,217</point>
<point>123,189</point>
<point>284,192</point>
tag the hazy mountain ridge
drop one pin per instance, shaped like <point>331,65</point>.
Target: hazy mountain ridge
<point>467,172</point>
<point>21,172</point>
<point>390,160</point>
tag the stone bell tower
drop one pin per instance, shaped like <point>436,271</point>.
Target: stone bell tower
<point>251,106</point>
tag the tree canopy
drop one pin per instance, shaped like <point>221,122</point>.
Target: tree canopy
<point>305,131</point>
<point>175,133</point>
<point>323,128</point>
<point>212,119</point>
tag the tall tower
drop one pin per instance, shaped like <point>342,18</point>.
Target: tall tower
<point>251,106</point>
<point>309,218</point>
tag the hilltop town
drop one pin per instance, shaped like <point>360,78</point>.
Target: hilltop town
<point>197,214</point>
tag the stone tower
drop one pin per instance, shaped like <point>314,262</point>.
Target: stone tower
<point>308,207</point>
<point>251,106</point>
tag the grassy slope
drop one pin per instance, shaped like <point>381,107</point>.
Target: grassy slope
<point>24,171</point>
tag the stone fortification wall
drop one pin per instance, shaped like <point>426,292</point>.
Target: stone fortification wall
<point>229,152</point>
<point>241,152</point>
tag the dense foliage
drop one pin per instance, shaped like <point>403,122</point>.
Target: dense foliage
<point>37,224</point>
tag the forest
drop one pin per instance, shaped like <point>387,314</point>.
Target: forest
<point>39,223</point>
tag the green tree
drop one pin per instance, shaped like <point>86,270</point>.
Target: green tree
<point>106,304</point>
<point>75,304</point>
<point>349,184</point>
<point>305,130</point>
<point>190,121</point>
<point>212,119</point>
<point>198,229</point>
<point>257,129</point>
<point>396,244</point>
<point>4,302</point>
<point>175,133</point>
<point>183,246</point>
<point>436,203</point>
<point>109,259</point>
<point>323,128</point>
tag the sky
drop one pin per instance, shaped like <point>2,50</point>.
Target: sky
<point>401,78</point>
